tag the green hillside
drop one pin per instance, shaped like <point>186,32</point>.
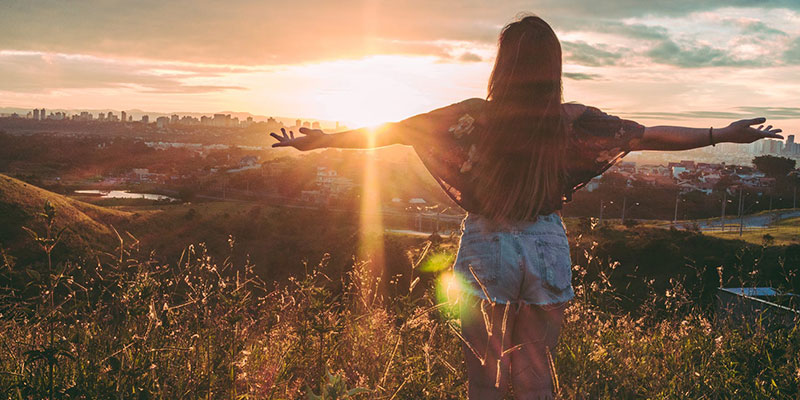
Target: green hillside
<point>89,226</point>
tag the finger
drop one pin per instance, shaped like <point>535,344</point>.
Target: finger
<point>291,133</point>
<point>759,120</point>
<point>277,137</point>
<point>760,127</point>
<point>768,128</point>
<point>284,133</point>
<point>304,130</point>
<point>280,144</point>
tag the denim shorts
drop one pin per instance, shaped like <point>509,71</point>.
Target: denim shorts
<point>526,261</point>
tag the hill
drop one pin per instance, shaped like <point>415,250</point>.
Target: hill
<point>88,226</point>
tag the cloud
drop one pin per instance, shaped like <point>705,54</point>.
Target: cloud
<point>470,57</point>
<point>694,55</point>
<point>741,113</point>
<point>629,30</point>
<point>580,76</point>
<point>792,53</point>
<point>760,28</point>
<point>262,32</point>
<point>773,112</point>
<point>621,9</point>
<point>582,53</point>
<point>34,72</point>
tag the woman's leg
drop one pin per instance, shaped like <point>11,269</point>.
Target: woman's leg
<point>486,331</point>
<point>536,330</point>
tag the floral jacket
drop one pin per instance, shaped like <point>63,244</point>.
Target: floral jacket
<point>445,140</point>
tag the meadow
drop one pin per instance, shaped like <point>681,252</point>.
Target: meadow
<point>123,324</point>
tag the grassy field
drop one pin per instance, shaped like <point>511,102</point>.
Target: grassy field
<point>255,302</point>
<point>786,232</point>
<point>205,327</point>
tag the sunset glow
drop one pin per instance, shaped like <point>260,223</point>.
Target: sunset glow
<point>363,65</point>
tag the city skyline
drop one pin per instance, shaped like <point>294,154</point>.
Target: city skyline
<point>686,62</point>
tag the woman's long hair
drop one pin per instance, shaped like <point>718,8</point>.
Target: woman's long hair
<point>521,150</point>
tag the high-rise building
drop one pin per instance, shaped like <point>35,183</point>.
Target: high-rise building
<point>162,122</point>
<point>145,119</point>
<point>306,124</point>
<point>315,125</point>
<point>42,114</point>
<point>174,119</point>
<point>36,114</point>
<point>123,116</point>
<point>298,123</point>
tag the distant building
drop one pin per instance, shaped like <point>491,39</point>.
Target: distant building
<point>330,184</point>
<point>766,147</point>
<point>36,114</point>
<point>162,122</point>
<point>791,148</point>
<point>42,114</point>
<point>123,116</point>
<point>145,119</point>
<point>315,125</point>
<point>306,124</point>
<point>248,161</point>
<point>174,119</point>
<point>298,123</point>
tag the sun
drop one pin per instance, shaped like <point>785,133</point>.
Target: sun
<point>376,90</point>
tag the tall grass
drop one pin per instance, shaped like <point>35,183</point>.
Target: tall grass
<point>120,325</point>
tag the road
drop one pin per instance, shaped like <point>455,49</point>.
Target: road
<point>749,221</point>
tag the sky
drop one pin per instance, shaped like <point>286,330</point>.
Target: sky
<point>679,62</point>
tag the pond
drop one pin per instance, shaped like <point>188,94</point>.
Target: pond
<point>125,194</point>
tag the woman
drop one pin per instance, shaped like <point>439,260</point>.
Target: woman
<point>511,161</point>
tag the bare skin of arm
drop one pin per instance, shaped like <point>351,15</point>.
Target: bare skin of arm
<point>672,138</point>
<point>362,138</point>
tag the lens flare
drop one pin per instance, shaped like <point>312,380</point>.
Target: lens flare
<point>448,291</point>
<point>370,245</point>
<point>437,262</point>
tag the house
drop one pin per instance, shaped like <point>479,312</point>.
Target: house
<point>248,161</point>
<point>328,181</point>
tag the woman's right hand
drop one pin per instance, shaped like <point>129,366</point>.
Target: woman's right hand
<point>743,132</point>
<point>312,140</point>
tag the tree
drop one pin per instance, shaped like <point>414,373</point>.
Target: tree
<point>774,167</point>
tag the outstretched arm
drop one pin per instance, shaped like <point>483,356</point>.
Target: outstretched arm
<point>410,131</point>
<point>362,138</point>
<point>680,138</point>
